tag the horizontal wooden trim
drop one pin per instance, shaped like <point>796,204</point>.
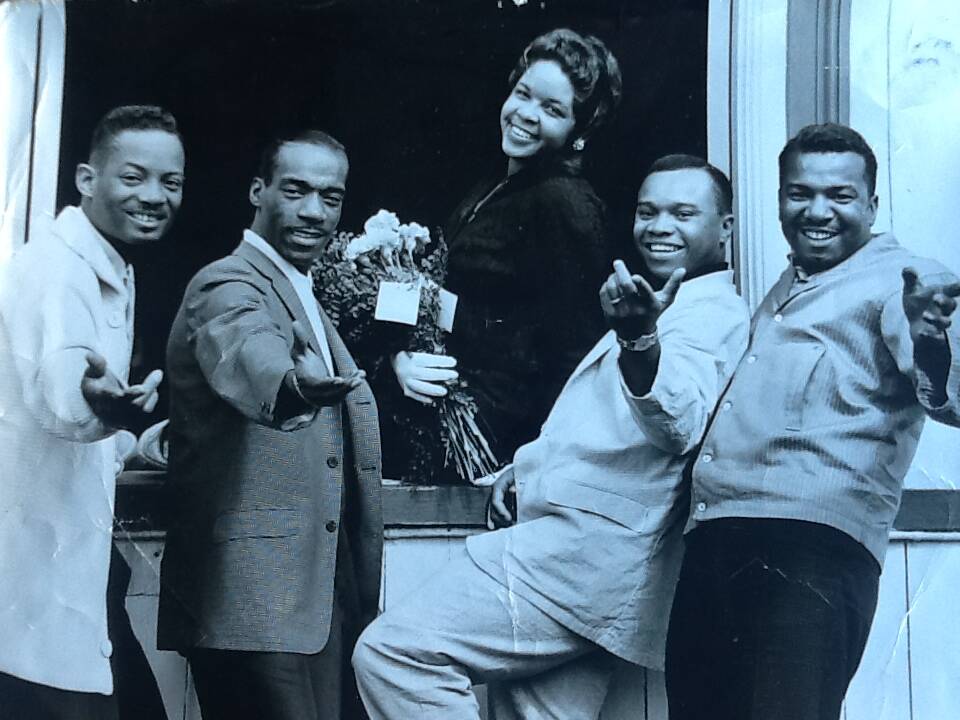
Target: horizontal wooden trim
<point>929,511</point>
<point>142,506</point>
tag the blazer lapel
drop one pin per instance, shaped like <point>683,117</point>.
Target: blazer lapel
<point>342,360</point>
<point>281,285</point>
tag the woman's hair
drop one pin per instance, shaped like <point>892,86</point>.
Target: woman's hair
<point>591,68</point>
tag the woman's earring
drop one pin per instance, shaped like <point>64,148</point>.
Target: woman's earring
<point>579,144</point>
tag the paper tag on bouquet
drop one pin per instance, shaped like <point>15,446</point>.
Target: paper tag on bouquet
<point>398,302</point>
<point>448,308</point>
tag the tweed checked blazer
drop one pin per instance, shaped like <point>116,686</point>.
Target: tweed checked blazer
<point>258,499</point>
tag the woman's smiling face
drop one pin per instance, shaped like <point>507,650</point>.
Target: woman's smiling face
<point>537,115</point>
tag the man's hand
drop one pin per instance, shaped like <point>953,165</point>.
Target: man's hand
<point>313,381</point>
<point>116,404</point>
<point>929,305</point>
<point>503,499</point>
<point>421,375</point>
<point>629,303</point>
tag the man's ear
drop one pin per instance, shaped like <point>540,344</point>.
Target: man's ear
<point>256,187</point>
<point>86,179</point>
<point>874,208</point>
<point>726,229</point>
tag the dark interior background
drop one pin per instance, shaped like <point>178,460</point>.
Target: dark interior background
<point>412,87</point>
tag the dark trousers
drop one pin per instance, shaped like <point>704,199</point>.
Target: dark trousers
<point>769,621</point>
<point>136,696</point>
<point>241,685</point>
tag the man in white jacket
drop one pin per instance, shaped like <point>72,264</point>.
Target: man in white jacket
<point>66,338</point>
<point>544,609</point>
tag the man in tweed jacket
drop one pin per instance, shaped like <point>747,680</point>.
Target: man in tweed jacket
<point>272,564</point>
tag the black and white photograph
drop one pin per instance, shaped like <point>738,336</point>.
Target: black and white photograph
<point>479,360</point>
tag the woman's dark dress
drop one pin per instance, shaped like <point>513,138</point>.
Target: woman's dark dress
<point>526,266</point>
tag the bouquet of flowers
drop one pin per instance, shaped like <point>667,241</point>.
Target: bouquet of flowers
<point>350,281</point>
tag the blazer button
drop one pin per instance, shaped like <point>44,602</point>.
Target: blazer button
<point>106,648</point>
<point>332,462</point>
<point>331,526</point>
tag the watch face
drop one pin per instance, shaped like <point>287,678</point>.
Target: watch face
<point>644,342</point>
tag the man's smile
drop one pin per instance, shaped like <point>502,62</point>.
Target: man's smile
<point>662,247</point>
<point>818,235</point>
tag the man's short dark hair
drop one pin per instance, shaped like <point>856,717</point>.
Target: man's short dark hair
<point>831,138</point>
<point>722,190</point>
<point>268,158</point>
<point>129,117</point>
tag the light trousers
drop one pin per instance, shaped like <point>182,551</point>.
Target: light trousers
<point>421,658</point>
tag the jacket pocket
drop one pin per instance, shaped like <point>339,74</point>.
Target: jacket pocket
<point>803,363</point>
<point>619,508</point>
<point>260,523</point>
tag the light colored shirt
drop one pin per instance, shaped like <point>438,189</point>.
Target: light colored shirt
<point>598,543</point>
<point>822,417</point>
<point>63,295</point>
<point>302,285</point>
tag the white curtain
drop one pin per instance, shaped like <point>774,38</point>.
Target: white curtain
<point>31,93</point>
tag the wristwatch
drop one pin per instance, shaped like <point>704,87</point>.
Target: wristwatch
<point>639,344</point>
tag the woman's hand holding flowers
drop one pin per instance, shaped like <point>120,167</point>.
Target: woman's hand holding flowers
<point>421,375</point>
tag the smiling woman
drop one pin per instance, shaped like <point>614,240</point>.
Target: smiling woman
<point>519,331</point>
<point>538,114</point>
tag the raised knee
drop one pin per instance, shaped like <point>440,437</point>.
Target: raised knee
<point>368,653</point>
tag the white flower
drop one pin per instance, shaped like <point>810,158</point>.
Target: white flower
<point>383,230</point>
<point>358,246</point>
<point>414,235</point>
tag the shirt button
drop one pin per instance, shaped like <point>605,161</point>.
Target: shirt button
<point>332,462</point>
<point>106,648</point>
<point>778,317</point>
<point>331,526</point>
<point>701,506</point>
<point>727,405</point>
<point>115,320</point>
<point>751,359</point>
<point>707,458</point>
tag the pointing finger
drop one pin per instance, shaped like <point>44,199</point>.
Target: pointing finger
<point>953,289</point>
<point>151,402</point>
<point>152,381</point>
<point>672,286</point>
<point>624,280</point>
<point>910,280</point>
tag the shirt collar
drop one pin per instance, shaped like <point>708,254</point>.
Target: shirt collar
<point>82,235</point>
<point>706,270</point>
<point>876,245</point>
<point>284,265</point>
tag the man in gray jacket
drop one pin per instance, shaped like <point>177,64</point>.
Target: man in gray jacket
<point>272,563</point>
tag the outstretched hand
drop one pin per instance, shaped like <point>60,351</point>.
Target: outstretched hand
<point>929,305</point>
<point>115,403</point>
<point>314,382</point>
<point>631,306</point>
